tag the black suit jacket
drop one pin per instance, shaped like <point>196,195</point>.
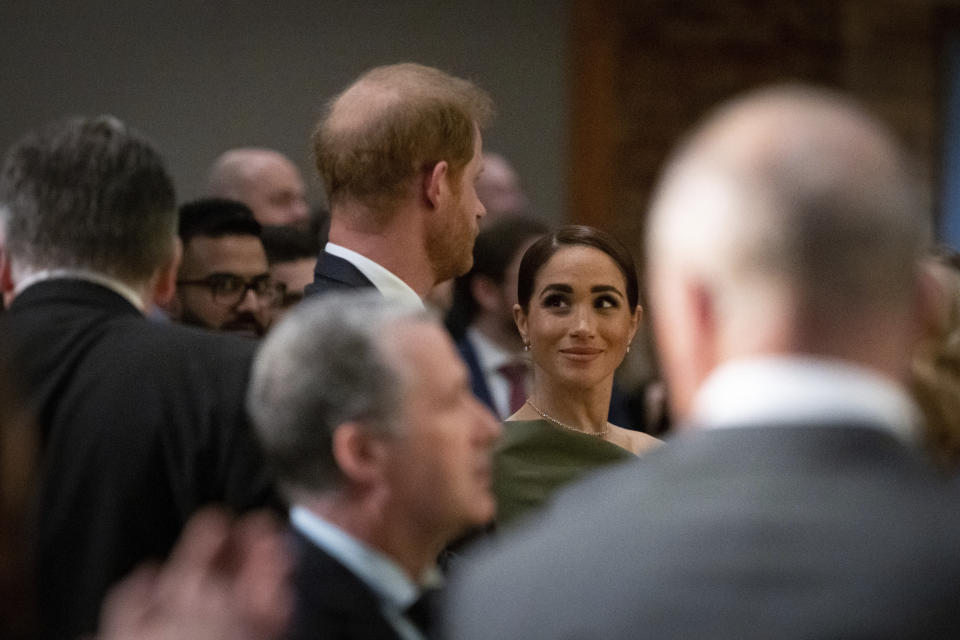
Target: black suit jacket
<point>767,532</point>
<point>333,273</point>
<point>142,423</point>
<point>331,602</point>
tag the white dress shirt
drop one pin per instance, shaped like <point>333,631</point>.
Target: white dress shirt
<point>386,282</point>
<point>780,390</point>
<point>393,588</point>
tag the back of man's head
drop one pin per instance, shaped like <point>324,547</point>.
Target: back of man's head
<point>392,123</point>
<point>215,218</point>
<point>323,366</point>
<point>90,194</point>
<point>796,215</point>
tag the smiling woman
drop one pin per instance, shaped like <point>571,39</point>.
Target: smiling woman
<point>578,310</point>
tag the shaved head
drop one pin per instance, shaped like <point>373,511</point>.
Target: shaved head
<point>796,220</point>
<point>797,186</point>
<point>264,180</point>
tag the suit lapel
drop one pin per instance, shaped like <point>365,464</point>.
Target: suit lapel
<point>332,599</point>
<point>335,268</point>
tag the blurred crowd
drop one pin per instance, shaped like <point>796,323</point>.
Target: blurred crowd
<point>425,410</point>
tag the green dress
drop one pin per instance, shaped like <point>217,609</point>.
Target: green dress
<point>534,459</point>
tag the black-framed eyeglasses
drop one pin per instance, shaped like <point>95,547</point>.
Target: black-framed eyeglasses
<point>228,289</point>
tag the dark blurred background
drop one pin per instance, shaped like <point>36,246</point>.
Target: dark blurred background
<point>201,77</point>
<point>591,94</point>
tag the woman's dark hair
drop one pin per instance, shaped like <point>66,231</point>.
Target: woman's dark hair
<point>570,235</point>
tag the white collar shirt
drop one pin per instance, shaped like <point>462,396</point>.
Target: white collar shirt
<point>785,390</point>
<point>113,284</point>
<point>386,282</point>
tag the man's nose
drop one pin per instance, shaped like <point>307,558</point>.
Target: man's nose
<point>488,427</point>
<point>249,302</point>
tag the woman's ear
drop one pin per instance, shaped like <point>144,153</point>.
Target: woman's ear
<point>520,318</point>
<point>635,320</point>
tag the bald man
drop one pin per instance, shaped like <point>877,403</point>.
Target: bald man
<point>400,152</point>
<point>264,180</point>
<point>782,246</point>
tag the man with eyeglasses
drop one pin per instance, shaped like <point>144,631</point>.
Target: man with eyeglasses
<point>223,283</point>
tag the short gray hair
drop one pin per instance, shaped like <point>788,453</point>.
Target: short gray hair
<point>325,364</point>
<point>88,193</point>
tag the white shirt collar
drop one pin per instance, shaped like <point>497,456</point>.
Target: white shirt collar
<point>375,569</point>
<point>113,284</point>
<point>386,282</point>
<point>778,390</point>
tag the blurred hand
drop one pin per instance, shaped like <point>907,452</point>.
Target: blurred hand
<point>224,580</point>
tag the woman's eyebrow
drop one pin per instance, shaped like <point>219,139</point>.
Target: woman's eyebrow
<point>563,288</point>
<point>602,288</point>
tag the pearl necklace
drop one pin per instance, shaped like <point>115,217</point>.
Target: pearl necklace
<point>543,414</point>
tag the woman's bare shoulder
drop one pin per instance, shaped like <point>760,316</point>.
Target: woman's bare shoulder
<point>636,442</point>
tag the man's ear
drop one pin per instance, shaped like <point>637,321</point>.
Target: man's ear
<point>7,285</point>
<point>706,336</point>
<point>932,304</point>
<point>434,184</point>
<point>163,286</point>
<point>359,453</point>
<point>485,292</point>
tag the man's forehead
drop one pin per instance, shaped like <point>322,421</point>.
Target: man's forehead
<point>239,254</point>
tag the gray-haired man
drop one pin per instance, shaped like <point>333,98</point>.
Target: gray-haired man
<point>366,413</point>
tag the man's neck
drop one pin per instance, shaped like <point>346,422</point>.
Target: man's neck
<point>398,246</point>
<point>378,526</point>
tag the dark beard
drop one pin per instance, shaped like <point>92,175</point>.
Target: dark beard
<point>244,324</point>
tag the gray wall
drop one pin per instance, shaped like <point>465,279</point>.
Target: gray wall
<point>200,77</point>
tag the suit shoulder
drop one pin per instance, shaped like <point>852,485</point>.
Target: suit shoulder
<point>194,343</point>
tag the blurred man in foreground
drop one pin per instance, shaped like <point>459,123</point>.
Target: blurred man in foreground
<point>783,249</point>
